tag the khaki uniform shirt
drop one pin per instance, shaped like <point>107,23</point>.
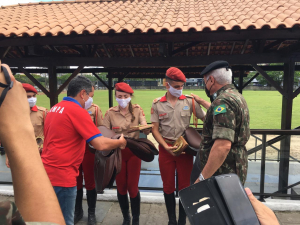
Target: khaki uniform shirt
<point>96,114</point>
<point>37,117</point>
<point>120,123</point>
<point>174,120</point>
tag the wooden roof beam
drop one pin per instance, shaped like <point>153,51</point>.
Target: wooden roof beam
<point>145,38</point>
<point>102,81</point>
<point>150,52</point>
<point>273,44</point>
<point>208,49</point>
<point>245,46</point>
<point>4,51</point>
<point>19,51</point>
<point>64,85</point>
<point>232,48</point>
<point>185,47</point>
<point>131,50</point>
<point>106,51</point>
<point>250,80</point>
<point>181,61</point>
<point>268,78</point>
<point>290,49</point>
<point>40,86</point>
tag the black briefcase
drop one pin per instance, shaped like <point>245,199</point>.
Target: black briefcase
<point>219,200</point>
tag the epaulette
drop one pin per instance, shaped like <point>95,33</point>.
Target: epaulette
<point>41,108</point>
<point>156,100</point>
<point>136,106</point>
<point>188,96</point>
<point>115,108</point>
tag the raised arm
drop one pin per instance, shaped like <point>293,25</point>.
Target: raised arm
<point>34,194</point>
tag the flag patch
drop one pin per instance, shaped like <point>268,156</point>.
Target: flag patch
<point>219,109</point>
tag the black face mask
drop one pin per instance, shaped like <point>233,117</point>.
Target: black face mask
<point>211,97</point>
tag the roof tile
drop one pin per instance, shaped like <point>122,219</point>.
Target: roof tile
<point>65,17</point>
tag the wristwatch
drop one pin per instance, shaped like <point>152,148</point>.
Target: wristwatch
<point>201,178</point>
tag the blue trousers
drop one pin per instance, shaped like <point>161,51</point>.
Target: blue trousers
<point>66,197</point>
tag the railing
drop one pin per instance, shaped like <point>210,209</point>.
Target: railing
<point>282,134</point>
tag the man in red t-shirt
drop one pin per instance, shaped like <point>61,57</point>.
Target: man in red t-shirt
<point>68,127</point>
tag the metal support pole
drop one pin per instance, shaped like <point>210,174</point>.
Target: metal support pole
<point>52,85</point>
<point>263,165</point>
<point>241,82</point>
<point>286,124</point>
<point>110,91</point>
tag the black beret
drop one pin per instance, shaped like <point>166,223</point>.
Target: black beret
<point>213,66</point>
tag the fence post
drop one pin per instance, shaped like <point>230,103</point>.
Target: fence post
<point>263,166</point>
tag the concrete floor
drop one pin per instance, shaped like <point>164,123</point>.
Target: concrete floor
<point>108,213</point>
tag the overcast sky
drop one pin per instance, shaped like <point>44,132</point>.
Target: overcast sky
<point>13,2</point>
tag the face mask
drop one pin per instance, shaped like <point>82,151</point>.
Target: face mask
<point>173,91</point>
<point>211,97</point>
<point>88,103</point>
<point>32,101</point>
<point>123,102</point>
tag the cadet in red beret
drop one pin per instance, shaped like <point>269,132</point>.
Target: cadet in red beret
<point>119,119</point>
<point>170,116</point>
<point>37,116</point>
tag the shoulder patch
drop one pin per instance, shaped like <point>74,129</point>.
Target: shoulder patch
<point>41,108</point>
<point>136,106</point>
<point>156,100</point>
<point>115,109</point>
<point>219,109</point>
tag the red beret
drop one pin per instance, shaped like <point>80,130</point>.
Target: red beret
<point>123,87</point>
<point>29,88</point>
<point>175,74</point>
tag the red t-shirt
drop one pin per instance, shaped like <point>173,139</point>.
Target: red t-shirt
<point>67,129</point>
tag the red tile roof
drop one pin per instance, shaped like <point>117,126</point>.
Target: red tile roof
<point>98,16</point>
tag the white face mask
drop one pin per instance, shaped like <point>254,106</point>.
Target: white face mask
<point>123,102</point>
<point>32,101</point>
<point>88,103</point>
<point>173,91</point>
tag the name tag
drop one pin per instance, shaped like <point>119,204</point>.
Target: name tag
<point>186,107</point>
<point>90,112</point>
<point>163,114</point>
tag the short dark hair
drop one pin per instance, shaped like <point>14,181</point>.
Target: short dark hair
<point>77,84</point>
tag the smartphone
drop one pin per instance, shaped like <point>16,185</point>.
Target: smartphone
<point>236,199</point>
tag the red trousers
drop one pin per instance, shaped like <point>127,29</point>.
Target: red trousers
<point>128,178</point>
<point>87,167</point>
<point>168,164</point>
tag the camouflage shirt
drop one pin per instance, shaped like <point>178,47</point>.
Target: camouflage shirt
<point>227,118</point>
<point>10,215</point>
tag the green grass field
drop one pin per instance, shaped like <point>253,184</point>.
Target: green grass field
<point>264,106</point>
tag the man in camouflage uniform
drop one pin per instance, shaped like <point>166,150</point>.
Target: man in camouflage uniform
<point>226,127</point>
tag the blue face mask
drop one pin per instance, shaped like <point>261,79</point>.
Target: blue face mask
<point>173,91</point>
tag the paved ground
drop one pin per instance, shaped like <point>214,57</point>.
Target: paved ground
<point>108,213</point>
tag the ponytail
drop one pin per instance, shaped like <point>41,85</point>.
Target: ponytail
<point>131,111</point>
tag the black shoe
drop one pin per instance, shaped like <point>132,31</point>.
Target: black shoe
<point>91,196</point>
<point>135,209</point>
<point>124,205</point>
<point>170,205</point>
<point>78,214</point>
<point>182,215</point>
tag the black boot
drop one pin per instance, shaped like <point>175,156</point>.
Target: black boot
<point>91,196</point>
<point>78,206</point>
<point>124,205</point>
<point>135,209</point>
<point>182,215</point>
<point>170,205</point>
